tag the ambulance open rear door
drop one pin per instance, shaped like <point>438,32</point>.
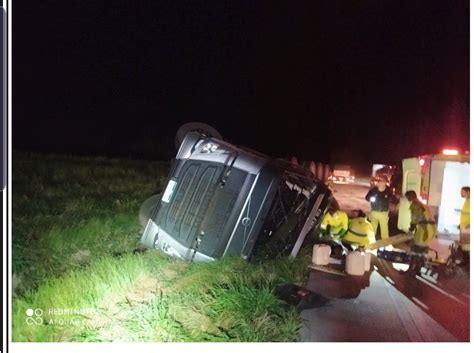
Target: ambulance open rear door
<point>455,175</point>
<point>411,181</point>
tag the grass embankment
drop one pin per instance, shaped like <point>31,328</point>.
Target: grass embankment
<point>75,228</point>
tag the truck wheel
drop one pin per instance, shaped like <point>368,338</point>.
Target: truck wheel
<point>147,208</point>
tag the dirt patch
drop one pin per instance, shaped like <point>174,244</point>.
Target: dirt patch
<point>143,290</point>
<point>195,321</point>
<point>169,273</point>
<point>111,318</point>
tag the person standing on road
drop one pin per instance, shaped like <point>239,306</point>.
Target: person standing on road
<point>424,228</point>
<point>379,197</point>
<point>422,222</point>
<point>464,224</point>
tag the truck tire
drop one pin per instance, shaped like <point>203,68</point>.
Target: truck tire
<point>147,208</point>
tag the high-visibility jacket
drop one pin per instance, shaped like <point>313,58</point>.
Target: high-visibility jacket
<point>360,232</point>
<point>465,217</point>
<point>336,224</point>
<point>465,234</point>
<point>425,226</point>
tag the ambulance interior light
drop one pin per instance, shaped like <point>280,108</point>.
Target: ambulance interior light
<point>450,152</point>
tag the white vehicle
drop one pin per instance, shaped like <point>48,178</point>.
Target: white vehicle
<point>437,179</point>
<point>342,174</point>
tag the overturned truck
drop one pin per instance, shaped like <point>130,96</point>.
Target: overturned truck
<point>225,200</point>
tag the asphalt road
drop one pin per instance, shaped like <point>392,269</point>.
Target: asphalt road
<point>385,305</point>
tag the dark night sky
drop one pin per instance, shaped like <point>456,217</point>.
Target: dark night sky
<point>361,81</point>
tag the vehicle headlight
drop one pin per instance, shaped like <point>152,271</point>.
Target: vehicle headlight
<point>209,148</point>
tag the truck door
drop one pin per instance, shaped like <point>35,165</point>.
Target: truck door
<point>411,181</point>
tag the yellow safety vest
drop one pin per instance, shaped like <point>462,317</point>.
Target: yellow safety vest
<point>360,232</point>
<point>425,224</point>
<point>465,217</point>
<point>338,222</point>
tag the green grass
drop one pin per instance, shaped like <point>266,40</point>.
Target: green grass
<point>68,212</point>
<point>75,226</point>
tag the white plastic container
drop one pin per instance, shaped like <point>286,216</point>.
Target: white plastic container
<point>321,253</point>
<point>355,263</point>
<point>368,258</point>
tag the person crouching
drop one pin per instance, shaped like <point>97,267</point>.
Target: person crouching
<point>360,232</point>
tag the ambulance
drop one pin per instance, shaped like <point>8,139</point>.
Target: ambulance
<point>437,179</point>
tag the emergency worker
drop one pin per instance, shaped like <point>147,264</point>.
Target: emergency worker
<point>424,228</point>
<point>422,222</point>
<point>335,222</point>
<point>464,224</point>
<point>360,232</point>
<point>379,197</point>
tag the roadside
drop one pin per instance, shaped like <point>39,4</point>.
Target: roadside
<point>384,305</point>
<point>80,276</point>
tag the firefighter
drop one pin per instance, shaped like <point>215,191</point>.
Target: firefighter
<point>422,222</point>
<point>360,232</point>
<point>464,224</point>
<point>379,197</point>
<point>335,222</point>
